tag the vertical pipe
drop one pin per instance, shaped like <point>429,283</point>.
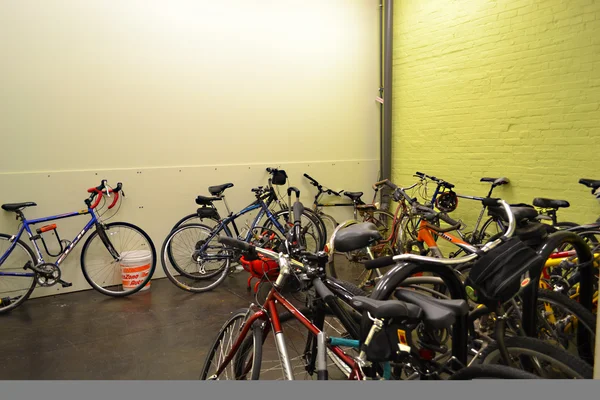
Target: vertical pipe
<point>386,140</point>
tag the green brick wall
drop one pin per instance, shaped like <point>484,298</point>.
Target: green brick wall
<point>499,88</point>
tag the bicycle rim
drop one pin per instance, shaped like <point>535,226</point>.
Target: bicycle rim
<point>194,261</point>
<point>105,273</point>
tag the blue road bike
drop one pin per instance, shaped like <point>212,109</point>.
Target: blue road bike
<point>103,253</point>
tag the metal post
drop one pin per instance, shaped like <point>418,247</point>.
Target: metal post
<point>386,140</point>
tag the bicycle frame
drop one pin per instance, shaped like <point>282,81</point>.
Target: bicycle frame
<point>426,235</point>
<point>270,315</point>
<point>26,227</point>
<point>223,225</point>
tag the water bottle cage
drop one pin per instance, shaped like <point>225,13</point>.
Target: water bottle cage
<point>48,228</point>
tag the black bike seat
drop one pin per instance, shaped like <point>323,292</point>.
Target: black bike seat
<point>353,195</point>
<point>204,200</point>
<point>17,206</point>
<point>591,183</point>
<point>387,308</point>
<point>496,181</point>
<point>550,203</point>
<point>217,190</point>
<point>437,313</point>
<point>520,213</point>
<point>356,237</point>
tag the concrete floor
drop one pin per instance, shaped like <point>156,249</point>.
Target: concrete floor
<point>163,333</point>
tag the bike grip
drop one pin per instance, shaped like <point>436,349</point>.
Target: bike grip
<point>297,209</point>
<point>115,199</point>
<point>118,188</point>
<point>380,183</point>
<point>269,170</point>
<point>322,290</point>
<point>446,218</point>
<point>293,189</point>
<point>310,178</point>
<point>422,175</point>
<point>490,202</point>
<point>379,262</point>
<point>232,242</point>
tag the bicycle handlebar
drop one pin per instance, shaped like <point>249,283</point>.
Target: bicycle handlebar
<point>322,189</point>
<point>99,191</point>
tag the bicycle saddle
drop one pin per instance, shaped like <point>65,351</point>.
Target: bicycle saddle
<point>355,196</point>
<point>437,313</point>
<point>218,189</point>
<point>496,181</point>
<point>549,203</point>
<point>591,183</point>
<point>521,213</point>
<point>17,206</point>
<point>387,308</point>
<point>204,200</point>
<point>356,237</point>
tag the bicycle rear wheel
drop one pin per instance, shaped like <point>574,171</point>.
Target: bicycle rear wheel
<point>14,290</point>
<point>103,252</point>
<point>491,372</point>
<point>548,361</point>
<point>193,259</point>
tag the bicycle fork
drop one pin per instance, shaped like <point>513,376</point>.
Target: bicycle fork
<point>280,343</point>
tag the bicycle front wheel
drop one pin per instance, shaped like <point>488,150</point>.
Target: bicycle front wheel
<point>247,360</point>
<point>103,252</point>
<point>15,289</point>
<point>193,259</point>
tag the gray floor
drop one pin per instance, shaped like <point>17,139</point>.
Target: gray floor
<point>160,334</point>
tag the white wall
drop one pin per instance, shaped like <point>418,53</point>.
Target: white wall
<point>170,97</point>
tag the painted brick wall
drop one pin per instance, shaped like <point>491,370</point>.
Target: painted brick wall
<point>499,88</point>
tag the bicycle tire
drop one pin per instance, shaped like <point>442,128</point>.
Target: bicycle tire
<point>86,248</point>
<point>194,219</point>
<point>172,260</point>
<point>321,226</point>
<point>569,364</point>
<point>237,316</point>
<point>283,217</point>
<point>220,273</point>
<point>329,224</point>
<point>583,316</point>
<point>482,239</point>
<point>491,372</point>
<point>33,259</point>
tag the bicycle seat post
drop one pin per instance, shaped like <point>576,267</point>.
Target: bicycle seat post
<point>229,213</point>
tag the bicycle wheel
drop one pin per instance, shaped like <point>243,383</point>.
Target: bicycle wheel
<point>311,231</point>
<point>14,290</point>
<point>329,223</point>
<point>98,263</point>
<point>247,360</point>
<point>491,229</point>
<point>195,219</point>
<point>382,220</point>
<point>193,259</point>
<point>491,372</point>
<point>548,361</point>
<point>560,318</point>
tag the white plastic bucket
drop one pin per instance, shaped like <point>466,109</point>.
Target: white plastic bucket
<point>135,267</point>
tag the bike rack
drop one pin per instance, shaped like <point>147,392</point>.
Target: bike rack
<point>586,290</point>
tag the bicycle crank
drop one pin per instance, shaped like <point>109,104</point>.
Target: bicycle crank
<point>47,274</point>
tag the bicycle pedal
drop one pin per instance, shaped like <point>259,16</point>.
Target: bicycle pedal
<point>65,284</point>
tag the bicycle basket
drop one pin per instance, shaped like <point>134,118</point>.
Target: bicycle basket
<point>499,274</point>
<point>279,177</point>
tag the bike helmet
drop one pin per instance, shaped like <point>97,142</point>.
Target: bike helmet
<point>447,201</point>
